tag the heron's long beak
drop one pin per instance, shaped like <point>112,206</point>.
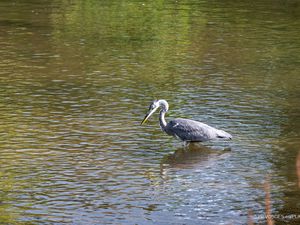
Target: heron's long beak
<point>148,116</point>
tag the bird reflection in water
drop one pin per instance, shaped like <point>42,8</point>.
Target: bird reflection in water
<point>194,155</point>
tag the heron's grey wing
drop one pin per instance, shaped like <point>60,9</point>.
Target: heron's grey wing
<point>190,130</point>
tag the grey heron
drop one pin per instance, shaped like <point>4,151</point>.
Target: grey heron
<point>185,129</point>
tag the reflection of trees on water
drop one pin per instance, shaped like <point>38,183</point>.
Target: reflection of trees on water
<point>8,214</point>
<point>286,155</point>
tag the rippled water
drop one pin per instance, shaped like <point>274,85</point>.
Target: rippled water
<point>77,77</point>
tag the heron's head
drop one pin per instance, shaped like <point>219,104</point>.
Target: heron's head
<point>152,108</point>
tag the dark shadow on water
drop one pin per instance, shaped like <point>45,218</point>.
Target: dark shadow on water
<point>195,155</point>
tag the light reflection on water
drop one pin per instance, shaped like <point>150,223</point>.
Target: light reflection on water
<point>74,89</point>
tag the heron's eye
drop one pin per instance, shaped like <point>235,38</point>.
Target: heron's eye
<point>151,107</point>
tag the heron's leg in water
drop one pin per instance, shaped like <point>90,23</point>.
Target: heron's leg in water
<point>186,145</point>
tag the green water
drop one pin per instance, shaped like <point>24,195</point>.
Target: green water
<point>77,77</point>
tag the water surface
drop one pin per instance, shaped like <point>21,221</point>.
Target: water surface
<point>77,77</point>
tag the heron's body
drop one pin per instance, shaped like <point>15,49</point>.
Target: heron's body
<point>190,130</point>
<point>185,129</point>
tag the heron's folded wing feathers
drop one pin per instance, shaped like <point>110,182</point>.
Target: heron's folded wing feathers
<point>190,130</point>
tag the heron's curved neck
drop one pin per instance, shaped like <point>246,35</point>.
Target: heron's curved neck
<point>162,121</point>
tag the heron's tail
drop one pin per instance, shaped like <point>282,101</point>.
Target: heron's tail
<point>224,135</point>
